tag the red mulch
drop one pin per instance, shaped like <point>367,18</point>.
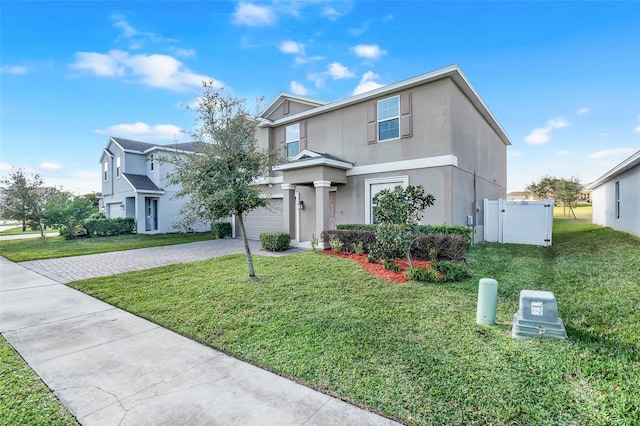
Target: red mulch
<point>377,270</point>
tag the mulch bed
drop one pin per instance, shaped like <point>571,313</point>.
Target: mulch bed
<point>377,270</point>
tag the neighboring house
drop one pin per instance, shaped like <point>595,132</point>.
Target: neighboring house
<point>615,197</point>
<point>135,184</point>
<point>432,130</point>
<point>518,196</point>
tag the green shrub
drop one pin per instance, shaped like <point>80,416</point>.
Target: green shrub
<point>350,238</point>
<point>359,248</point>
<point>447,229</point>
<point>390,264</point>
<point>102,227</point>
<point>275,241</point>
<point>336,245</point>
<point>453,271</point>
<point>221,229</point>
<point>445,246</point>
<point>428,275</point>
<point>314,242</point>
<point>357,227</point>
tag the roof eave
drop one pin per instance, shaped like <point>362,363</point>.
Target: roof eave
<point>629,163</point>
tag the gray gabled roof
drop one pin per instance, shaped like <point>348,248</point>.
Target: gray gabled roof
<point>141,183</point>
<point>142,147</point>
<point>131,145</point>
<point>627,164</point>
<point>453,71</point>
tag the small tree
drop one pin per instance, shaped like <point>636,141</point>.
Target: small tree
<point>219,180</point>
<point>398,211</point>
<point>569,193</point>
<point>547,187</point>
<point>22,199</point>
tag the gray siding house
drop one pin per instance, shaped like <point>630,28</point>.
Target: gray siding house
<point>615,197</point>
<point>135,184</point>
<point>433,130</point>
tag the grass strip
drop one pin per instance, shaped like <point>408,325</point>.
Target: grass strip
<point>55,247</point>
<point>24,399</point>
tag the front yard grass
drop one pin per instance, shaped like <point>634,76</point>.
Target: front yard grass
<point>24,399</point>
<point>54,247</point>
<point>414,352</point>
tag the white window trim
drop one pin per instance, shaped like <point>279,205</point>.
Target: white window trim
<point>287,141</point>
<point>402,180</point>
<point>118,167</point>
<point>378,121</point>
<point>105,171</point>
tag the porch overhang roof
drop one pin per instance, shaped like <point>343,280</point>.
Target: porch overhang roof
<point>309,158</point>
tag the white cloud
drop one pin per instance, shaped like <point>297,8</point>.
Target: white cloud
<point>5,167</point>
<point>607,153</point>
<point>369,51</point>
<point>127,30</point>
<point>50,165</point>
<point>8,69</point>
<point>291,47</point>
<point>142,131</point>
<point>298,89</point>
<point>185,53</point>
<point>338,71</point>
<point>511,155</point>
<point>136,38</point>
<point>254,16</point>
<point>79,182</point>
<point>301,61</point>
<point>367,83</point>
<point>541,135</point>
<point>562,152</point>
<point>331,13</point>
<point>583,111</point>
<point>154,70</point>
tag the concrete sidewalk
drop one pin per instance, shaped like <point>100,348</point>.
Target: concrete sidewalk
<point>110,367</point>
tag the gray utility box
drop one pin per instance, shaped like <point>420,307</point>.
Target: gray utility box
<point>538,316</point>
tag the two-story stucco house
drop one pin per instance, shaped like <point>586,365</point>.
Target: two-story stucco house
<point>135,184</point>
<point>433,130</point>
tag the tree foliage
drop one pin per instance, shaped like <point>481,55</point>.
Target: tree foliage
<point>68,213</point>
<point>398,212</point>
<point>219,180</point>
<point>565,191</point>
<point>23,198</point>
<point>402,205</point>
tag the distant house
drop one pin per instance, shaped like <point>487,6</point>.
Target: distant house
<point>432,130</point>
<point>518,196</point>
<point>135,184</point>
<point>615,197</point>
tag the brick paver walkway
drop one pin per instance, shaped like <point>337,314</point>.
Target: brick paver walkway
<point>75,268</point>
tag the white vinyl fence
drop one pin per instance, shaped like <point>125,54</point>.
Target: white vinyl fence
<point>518,222</point>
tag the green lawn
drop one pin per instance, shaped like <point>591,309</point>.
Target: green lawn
<point>18,231</point>
<point>24,399</point>
<point>54,247</point>
<point>413,352</point>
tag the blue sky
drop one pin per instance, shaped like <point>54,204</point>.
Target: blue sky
<point>562,78</point>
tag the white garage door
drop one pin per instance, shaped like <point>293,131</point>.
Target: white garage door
<point>267,219</point>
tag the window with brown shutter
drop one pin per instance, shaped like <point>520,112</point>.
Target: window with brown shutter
<point>371,123</point>
<point>406,123</point>
<point>303,135</point>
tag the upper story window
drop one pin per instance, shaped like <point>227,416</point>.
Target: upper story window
<point>151,164</point>
<point>106,170</point>
<point>293,140</point>
<point>389,118</point>
<point>117,167</point>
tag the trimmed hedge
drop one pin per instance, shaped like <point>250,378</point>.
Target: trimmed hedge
<point>423,229</point>
<point>350,238</point>
<point>103,227</point>
<point>275,241</point>
<point>221,229</point>
<point>447,247</point>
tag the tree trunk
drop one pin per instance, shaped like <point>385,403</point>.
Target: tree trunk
<point>252,274</point>
<point>41,226</point>
<point>24,225</point>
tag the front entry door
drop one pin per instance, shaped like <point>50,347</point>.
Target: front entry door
<point>151,214</point>
<point>332,210</point>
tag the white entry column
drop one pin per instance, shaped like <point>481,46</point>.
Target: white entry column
<point>322,209</point>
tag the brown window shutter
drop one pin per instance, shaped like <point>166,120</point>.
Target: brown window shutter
<point>406,122</point>
<point>371,123</point>
<point>303,135</point>
<point>281,140</point>
<point>285,107</point>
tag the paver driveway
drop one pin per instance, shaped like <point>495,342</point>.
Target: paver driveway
<point>75,268</point>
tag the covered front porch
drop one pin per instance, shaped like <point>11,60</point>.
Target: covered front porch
<point>310,182</point>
